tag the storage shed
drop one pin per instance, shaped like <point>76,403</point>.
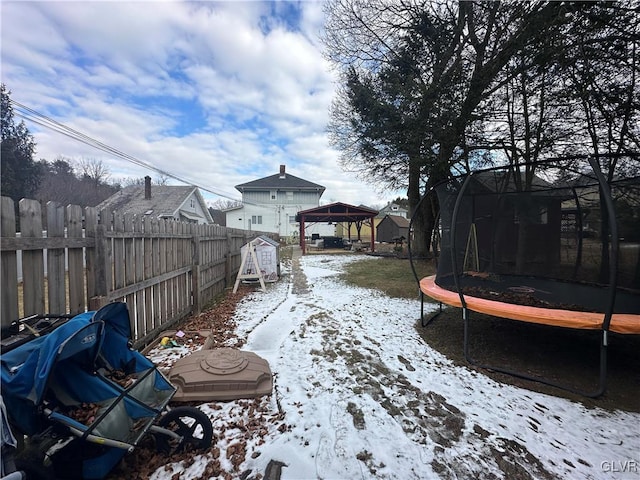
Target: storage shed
<point>392,227</point>
<point>268,256</point>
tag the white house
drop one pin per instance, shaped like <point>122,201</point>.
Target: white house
<point>270,204</point>
<point>393,209</point>
<point>184,203</point>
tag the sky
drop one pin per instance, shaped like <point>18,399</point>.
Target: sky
<point>214,93</point>
<point>358,394</point>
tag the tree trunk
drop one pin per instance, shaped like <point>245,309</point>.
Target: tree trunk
<point>421,235</point>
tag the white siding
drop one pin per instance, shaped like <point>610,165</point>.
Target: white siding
<point>283,197</point>
<point>276,215</point>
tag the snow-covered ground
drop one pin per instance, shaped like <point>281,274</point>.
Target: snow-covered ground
<point>359,394</point>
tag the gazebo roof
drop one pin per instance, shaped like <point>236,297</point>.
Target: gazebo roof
<point>336,212</point>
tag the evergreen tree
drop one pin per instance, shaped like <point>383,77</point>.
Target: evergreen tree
<point>20,174</point>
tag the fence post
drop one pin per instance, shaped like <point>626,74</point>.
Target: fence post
<point>102,269</point>
<point>227,264</point>
<point>90,222</point>
<point>195,271</point>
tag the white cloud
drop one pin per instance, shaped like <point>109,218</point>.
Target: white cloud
<point>218,92</point>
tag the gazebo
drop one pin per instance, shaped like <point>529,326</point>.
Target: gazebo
<point>337,212</point>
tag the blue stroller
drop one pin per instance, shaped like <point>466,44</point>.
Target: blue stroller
<point>83,389</point>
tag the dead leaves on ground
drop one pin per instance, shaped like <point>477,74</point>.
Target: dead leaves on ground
<point>254,422</point>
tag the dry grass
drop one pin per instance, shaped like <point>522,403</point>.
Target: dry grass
<point>393,276</point>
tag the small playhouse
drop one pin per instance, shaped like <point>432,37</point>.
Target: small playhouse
<point>260,261</point>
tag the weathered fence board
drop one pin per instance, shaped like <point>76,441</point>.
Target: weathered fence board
<point>9,266</point>
<point>56,260</point>
<point>32,260</point>
<point>90,225</point>
<point>76,261</point>
<point>163,269</point>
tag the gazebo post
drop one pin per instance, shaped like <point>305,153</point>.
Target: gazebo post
<point>373,235</point>
<point>302,240</point>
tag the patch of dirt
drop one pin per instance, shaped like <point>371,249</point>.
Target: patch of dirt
<point>567,356</point>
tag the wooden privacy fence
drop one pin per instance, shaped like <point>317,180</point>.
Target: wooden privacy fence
<point>163,269</point>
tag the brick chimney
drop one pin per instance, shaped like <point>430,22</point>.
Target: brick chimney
<point>282,175</point>
<point>147,187</point>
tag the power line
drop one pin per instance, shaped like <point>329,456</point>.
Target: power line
<point>47,122</point>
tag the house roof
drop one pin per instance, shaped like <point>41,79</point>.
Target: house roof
<point>390,205</point>
<point>398,220</point>
<point>388,209</point>
<point>280,181</point>
<point>165,201</point>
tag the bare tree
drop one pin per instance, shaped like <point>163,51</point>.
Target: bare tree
<point>414,75</point>
<point>225,204</point>
<point>94,170</point>
<point>162,179</point>
<point>60,183</point>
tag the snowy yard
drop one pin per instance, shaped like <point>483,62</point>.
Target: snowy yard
<point>360,395</point>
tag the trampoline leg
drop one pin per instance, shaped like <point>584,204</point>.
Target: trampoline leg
<point>424,322</point>
<point>602,379</point>
<point>602,383</point>
<point>467,356</point>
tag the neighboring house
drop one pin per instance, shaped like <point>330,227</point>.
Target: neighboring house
<point>270,204</point>
<point>393,209</point>
<point>183,203</point>
<point>219,216</point>
<point>392,228</point>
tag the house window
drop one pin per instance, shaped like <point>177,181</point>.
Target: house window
<point>274,194</point>
<point>256,219</point>
<point>290,196</point>
<point>193,203</point>
<point>292,219</point>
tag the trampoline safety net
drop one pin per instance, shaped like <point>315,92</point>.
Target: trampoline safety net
<point>554,234</point>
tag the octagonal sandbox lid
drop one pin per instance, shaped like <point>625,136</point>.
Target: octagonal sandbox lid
<point>220,374</point>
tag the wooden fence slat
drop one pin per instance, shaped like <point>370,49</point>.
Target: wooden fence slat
<point>57,292</point>
<point>173,265</point>
<point>155,270</point>
<point>90,224</point>
<point>147,272</point>
<point>77,301</point>
<point>130,272</point>
<point>164,294</point>
<point>8,266</point>
<point>118,253</point>
<point>32,260</point>
<point>138,248</point>
<point>197,272</point>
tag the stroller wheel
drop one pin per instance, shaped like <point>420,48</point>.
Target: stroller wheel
<point>193,426</point>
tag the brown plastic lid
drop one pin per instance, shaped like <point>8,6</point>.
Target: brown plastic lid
<point>220,374</point>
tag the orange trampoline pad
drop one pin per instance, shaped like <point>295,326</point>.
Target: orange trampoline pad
<point>620,322</point>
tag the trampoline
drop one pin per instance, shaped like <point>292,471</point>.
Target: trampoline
<point>553,243</point>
